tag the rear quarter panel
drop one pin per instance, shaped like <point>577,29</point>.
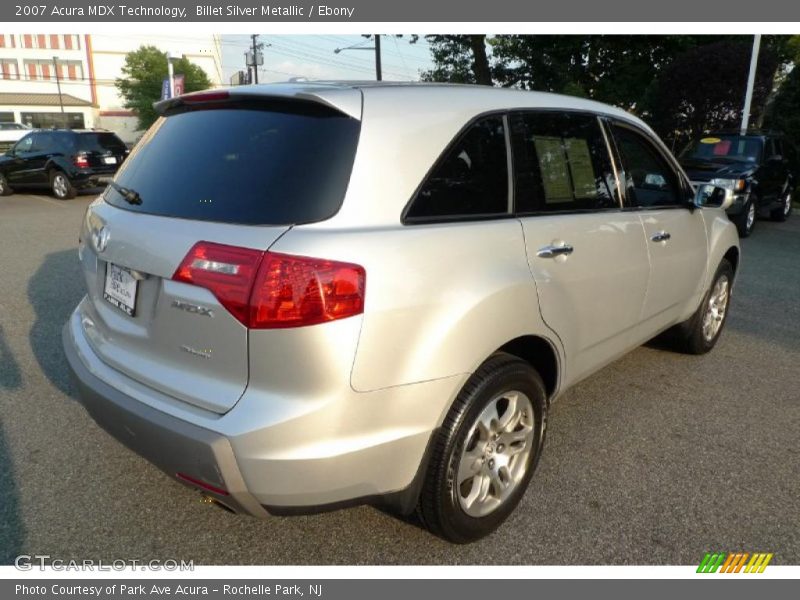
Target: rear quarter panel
<point>439,298</point>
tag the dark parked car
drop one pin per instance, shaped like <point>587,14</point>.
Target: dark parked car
<point>760,167</point>
<point>65,160</point>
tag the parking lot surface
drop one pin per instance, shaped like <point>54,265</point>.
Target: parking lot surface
<point>656,459</point>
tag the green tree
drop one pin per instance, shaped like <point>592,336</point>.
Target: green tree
<point>459,59</point>
<point>142,75</point>
<point>704,87</point>
<point>784,113</point>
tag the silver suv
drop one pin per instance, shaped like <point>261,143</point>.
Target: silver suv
<point>308,296</point>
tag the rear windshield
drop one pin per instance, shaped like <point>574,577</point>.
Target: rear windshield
<point>99,142</point>
<point>277,165</point>
<point>725,148</point>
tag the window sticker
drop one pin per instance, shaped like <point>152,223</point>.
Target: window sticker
<point>580,164</point>
<point>554,169</point>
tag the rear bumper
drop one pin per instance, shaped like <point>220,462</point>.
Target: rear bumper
<point>273,453</point>
<point>171,444</point>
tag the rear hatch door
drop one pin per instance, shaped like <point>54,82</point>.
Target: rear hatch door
<point>238,174</point>
<point>103,150</point>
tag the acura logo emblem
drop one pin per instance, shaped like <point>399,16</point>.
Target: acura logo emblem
<point>100,239</point>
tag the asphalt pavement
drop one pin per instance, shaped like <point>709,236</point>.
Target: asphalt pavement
<point>656,459</point>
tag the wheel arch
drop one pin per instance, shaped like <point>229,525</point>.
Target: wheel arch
<point>732,256</point>
<point>539,353</point>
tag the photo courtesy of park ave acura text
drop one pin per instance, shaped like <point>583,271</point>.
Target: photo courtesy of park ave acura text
<point>353,298</point>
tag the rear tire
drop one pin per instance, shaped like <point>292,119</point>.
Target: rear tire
<point>61,186</point>
<point>782,213</point>
<point>746,220</point>
<point>5,189</point>
<point>700,333</point>
<point>486,451</point>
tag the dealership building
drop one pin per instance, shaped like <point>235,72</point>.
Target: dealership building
<point>34,66</point>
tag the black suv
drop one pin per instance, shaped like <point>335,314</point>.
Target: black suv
<point>65,160</point>
<point>760,167</point>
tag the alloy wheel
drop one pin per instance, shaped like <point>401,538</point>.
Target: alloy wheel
<point>60,186</point>
<point>716,308</point>
<point>495,455</point>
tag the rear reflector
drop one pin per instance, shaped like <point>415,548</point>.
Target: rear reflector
<point>267,290</point>
<point>202,484</point>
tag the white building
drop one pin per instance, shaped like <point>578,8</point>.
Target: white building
<point>33,66</point>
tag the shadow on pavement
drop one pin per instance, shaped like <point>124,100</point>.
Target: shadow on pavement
<point>11,531</point>
<point>10,377</point>
<point>54,291</point>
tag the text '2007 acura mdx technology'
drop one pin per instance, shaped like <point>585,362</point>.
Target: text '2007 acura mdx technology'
<point>313,295</point>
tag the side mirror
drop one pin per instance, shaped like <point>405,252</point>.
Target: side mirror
<point>712,196</point>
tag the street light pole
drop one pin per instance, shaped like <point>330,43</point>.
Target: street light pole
<point>170,75</point>
<point>58,84</point>
<point>751,80</point>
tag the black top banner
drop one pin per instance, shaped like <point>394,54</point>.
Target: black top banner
<point>455,11</point>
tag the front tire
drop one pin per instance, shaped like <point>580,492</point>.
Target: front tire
<point>486,451</point>
<point>782,213</point>
<point>61,186</point>
<point>700,333</point>
<point>746,220</point>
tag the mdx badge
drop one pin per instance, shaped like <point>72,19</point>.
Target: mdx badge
<point>193,308</point>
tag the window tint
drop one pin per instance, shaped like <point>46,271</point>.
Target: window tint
<point>49,141</point>
<point>561,163</point>
<point>99,142</point>
<point>471,178</point>
<point>279,164</point>
<point>25,144</point>
<point>649,180</point>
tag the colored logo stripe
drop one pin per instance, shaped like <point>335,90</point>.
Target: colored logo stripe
<point>733,562</point>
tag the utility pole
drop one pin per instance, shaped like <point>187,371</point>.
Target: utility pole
<point>751,80</point>
<point>376,47</point>
<point>58,85</point>
<point>378,74</point>
<point>257,58</point>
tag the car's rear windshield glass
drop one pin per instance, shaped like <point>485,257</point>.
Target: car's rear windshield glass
<point>722,148</point>
<point>99,142</point>
<point>280,164</point>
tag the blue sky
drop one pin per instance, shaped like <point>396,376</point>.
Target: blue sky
<point>313,56</point>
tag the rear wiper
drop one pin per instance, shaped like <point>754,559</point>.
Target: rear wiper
<point>130,196</point>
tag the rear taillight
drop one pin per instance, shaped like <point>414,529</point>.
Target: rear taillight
<point>267,290</point>
<point>227,271</point>
<point>81,161</point>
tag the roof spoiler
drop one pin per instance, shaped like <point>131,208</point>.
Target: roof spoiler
<point>345,101</point>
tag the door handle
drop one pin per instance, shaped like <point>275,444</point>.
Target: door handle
<point>554,251</point>
<point>661,236</point>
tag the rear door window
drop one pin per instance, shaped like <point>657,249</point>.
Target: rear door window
<point>471,178</point>
<point>561,163</point>
<point>255,164</point>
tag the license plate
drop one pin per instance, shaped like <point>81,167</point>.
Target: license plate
<point>110,160</point>
<point>120,289</point>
